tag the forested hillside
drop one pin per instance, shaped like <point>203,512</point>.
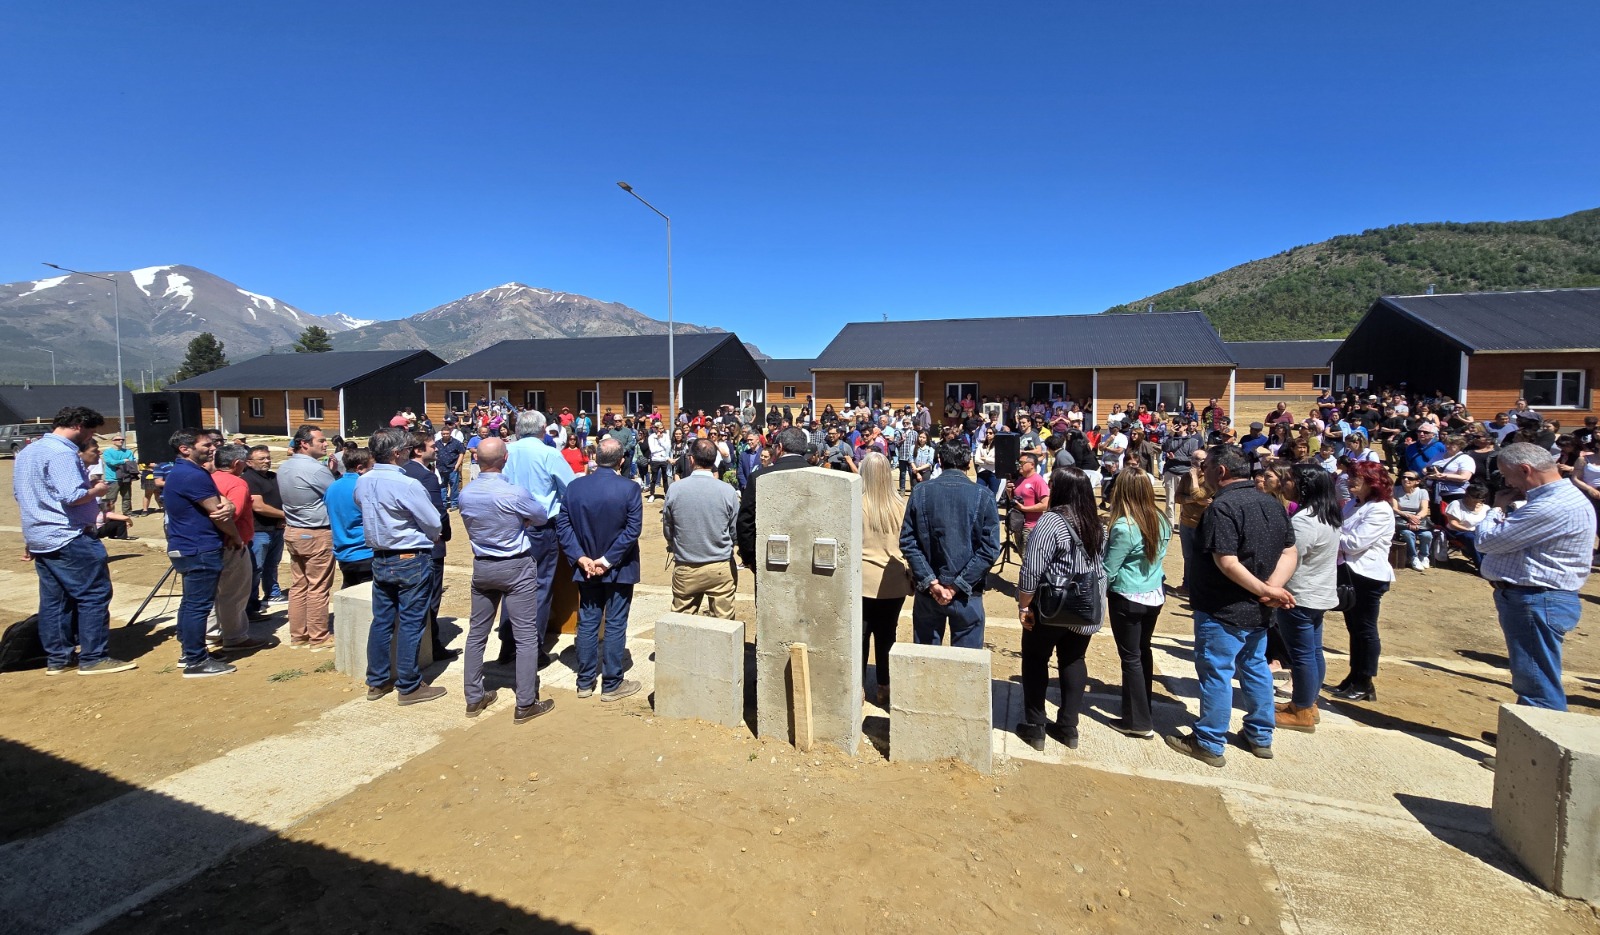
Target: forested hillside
<point>1320,290</point>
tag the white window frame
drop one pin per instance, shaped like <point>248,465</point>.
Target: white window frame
<point>961,392</point>
<point>1273,381</point>
<point>534,399</point>
<point>258,407</point>
<point>313,408</point>
<point>630,401</point>
<point>589,401</point>
<point>1053,388</point>
<point>1559,376</point>
<point>1156,399</point>
<point>1358,381</point>
<point>456,400</point>
<point>871,392</point>
<point>791,391</point>
<point>1321,381</point>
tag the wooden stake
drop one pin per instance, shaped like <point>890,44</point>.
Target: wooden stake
<point>800,674</point>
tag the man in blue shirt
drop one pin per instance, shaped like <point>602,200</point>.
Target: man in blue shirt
<point>199,526</point>
<point>350,547</point>
<point>1425,450</point>
<point>59,507</point>
<point>452,459</point>
<point>497,515</point>
<point>401,525</point>
<point>542,472</point>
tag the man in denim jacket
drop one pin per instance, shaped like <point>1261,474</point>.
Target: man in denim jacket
<point>950,539</point>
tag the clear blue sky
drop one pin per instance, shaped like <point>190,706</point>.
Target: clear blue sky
<point>823,162</point>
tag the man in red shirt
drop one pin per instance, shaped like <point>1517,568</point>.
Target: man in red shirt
<point>1031,493</point>
<point>229,628</point>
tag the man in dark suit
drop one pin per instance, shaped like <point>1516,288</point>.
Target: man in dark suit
<point>791,447</point>
<point>599,530</point>
<point>424,455</point>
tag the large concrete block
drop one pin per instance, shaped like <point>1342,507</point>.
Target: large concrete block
<point>352,624</point>
<point>700,669</point>
<point>1547,797</point>
<point>941,707</point>
<point>809,594</point>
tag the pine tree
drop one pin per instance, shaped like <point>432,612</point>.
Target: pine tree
<point>314,340</point>
<point>205,355</point>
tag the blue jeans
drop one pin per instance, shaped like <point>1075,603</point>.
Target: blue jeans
<point>1302,634</point>
<point>1419,542</point>
<point>400,591</point>
<point>266,548</point>
<point>612,600</point>
<point>1219,651</point>
<point>1535,621</point>
<point>451,481</point>
<point>1467,542</point>
<point>200,574</point>
<point>74,601</point>
<point>964,614</point>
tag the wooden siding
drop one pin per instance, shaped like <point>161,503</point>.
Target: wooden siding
<point>1494,383</point>
<point>557,393</point>
<point>1251,391</point>
<point>271,421</point>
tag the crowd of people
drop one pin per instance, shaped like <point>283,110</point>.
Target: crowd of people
<point>1277,525</point>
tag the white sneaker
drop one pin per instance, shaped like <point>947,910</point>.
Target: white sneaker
<point>1416,564</point>
<point>1426,565</point>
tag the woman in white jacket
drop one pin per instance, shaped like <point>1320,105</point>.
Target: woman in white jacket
<point>1364,540</point>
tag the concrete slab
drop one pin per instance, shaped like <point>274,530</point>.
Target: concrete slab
<point>699,666</point>
<point>352,625</point>
<point>941,707</point>
<point>1547,797</point>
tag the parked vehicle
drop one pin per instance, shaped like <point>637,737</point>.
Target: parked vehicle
<point>14,438</point>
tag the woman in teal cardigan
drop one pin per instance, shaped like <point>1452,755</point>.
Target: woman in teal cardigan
<point>1135,548</point>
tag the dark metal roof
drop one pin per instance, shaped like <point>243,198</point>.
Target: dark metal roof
<point>788,369</point>
<point>326,371</point>
<point>1546,320</point>
<point>30,402</point>
<point>1282,355</point>
<point>1160,339</point>
<point>619,357</point>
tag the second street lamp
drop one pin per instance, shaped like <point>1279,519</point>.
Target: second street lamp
<point>672,370</point>
<point>116,311</point>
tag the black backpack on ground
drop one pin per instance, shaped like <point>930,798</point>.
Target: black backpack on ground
<point>20,646</point>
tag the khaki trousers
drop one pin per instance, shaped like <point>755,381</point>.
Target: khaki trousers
<point>714,582</point>
<point>311,563</point>
<point>228,622</point>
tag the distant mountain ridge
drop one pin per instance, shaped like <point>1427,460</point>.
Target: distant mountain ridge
<point>1322,289</point>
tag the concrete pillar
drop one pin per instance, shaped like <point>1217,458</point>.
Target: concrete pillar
<point>700,669</point>
<point>809,591</point>
<point>941,707</point>
<point>352,623</point>
<point>1547,797</point>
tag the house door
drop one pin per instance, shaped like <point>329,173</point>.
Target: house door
<point>228,414</point>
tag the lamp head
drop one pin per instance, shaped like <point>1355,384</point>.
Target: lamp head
<point>622,185</point>
<point>53,266</point>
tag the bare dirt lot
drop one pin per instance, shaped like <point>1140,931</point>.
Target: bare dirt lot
<point>606,818</point>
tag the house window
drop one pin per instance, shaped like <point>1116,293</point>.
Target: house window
<point>1358,381</point>
<point>960,391</point>
<point>533,399</point>
<point>870,393</point>
<point>1553,389</point>
<point>1274,381</point>
<point>588,401</point>
<point>456,400</point>
<point>1321,381</point>
<point>638,401</point>
<point>258,407</point>
<point>1153,393</point>
<point>313,408</point>
<point>1047,391</point>
<point>789,392</point>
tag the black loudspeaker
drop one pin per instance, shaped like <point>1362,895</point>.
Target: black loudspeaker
<point>156,416</point>
<point>1007,448</point>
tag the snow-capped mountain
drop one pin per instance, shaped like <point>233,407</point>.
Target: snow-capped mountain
<point>161,309</point>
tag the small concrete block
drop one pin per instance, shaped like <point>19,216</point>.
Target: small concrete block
<point>700,669</point>
<point>352,624</point>
<point>941,705</point>
<point>1547,797</point>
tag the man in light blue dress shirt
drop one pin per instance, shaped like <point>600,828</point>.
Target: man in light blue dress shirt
<point>59,507</point>
<point>497,515</point>
<point>542,472</point>
<point>401,525</point>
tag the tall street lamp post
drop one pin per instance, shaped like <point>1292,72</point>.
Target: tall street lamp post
<point>672,370</point>
<point>116,311</point>
<point>52,362</point>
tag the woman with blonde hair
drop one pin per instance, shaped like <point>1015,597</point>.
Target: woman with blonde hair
<point>1135,549</point>
<point>885,579</point>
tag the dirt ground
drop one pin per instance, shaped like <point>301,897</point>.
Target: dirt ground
<point>606,817</point>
